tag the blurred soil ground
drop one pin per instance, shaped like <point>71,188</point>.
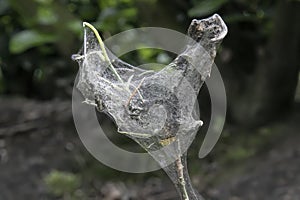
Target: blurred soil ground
<point>39,137</point>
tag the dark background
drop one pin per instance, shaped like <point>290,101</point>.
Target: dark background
<point>41,156</point>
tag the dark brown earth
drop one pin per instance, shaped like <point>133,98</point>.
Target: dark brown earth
<point>37,137</point>
<point>272,175</point>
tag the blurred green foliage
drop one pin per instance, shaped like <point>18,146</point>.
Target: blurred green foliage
<point>258,13</point>
<point>203,8</point>
<point>27,39</point>
<point>38,37</point>
<point>63,184</point>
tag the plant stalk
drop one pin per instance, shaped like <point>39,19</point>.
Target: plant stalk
<point>178,173</point>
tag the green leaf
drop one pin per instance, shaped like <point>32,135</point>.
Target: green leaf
<point>25,40</point>
<point>46,15</point>
<point>60,183</point>
<point>206,7</point>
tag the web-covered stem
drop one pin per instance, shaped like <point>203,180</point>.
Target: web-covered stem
<point>179,175</point>
<point>155,109</point>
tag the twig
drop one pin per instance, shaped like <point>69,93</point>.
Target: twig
<point>135,91</point>
<point>103,49</point>
<point>182,183</point>
<point>144,135</point>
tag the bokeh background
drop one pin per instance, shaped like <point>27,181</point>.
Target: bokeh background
<point>41,157</point>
